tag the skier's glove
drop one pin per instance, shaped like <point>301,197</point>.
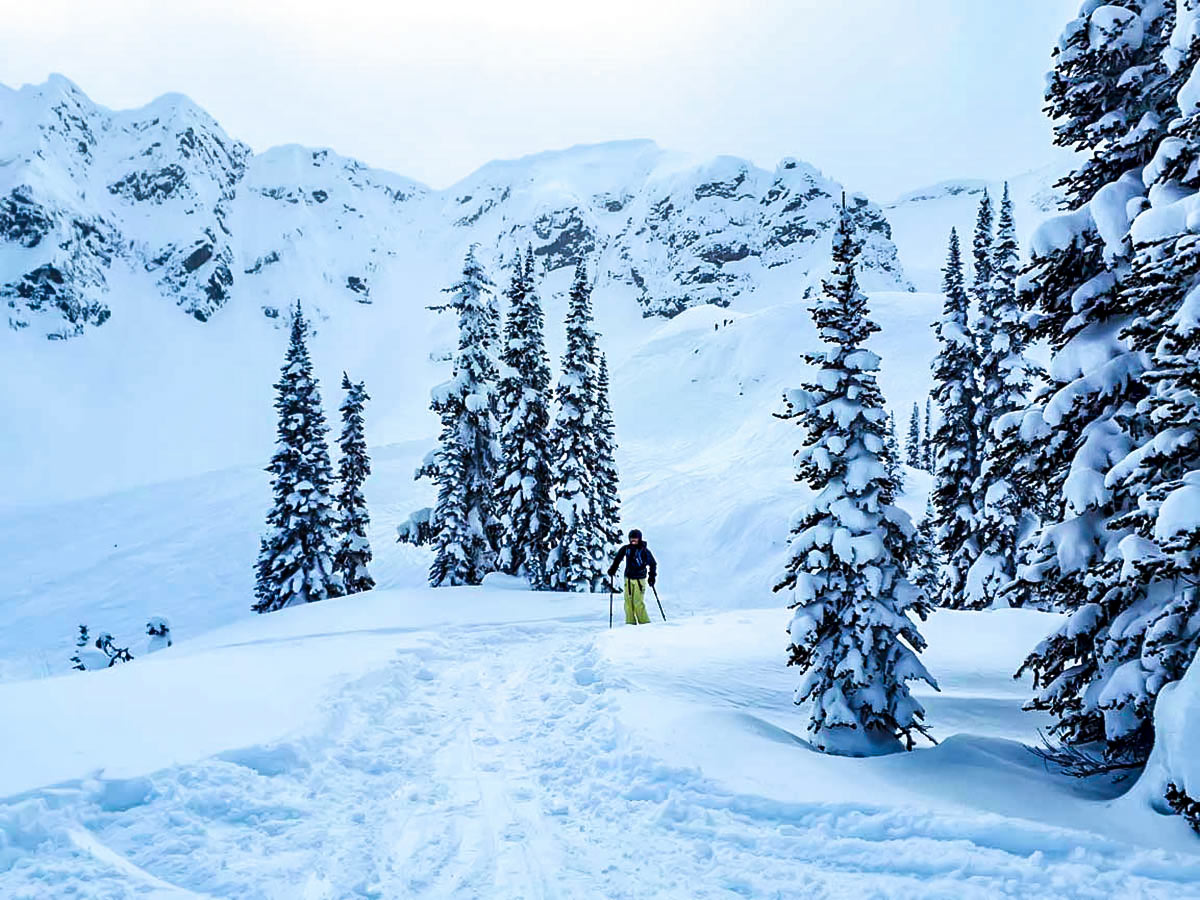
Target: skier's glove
<point>652,579</point>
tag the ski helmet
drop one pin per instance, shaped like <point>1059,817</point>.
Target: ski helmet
<point>636,533</point>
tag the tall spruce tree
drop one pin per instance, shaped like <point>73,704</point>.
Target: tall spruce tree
<point>524,492</point>
<point>491,348</point>
<point>295,561</point>
<point>1112,95</point>
<point>927,560</point>
<point>913,445</point>
<point>981,251</point>
<point>983,324</point>
<point>981,330</point>
<point>1152,641</point>
<point>577,559</point>
<point>851,631</point>
<point>607,498</point>
<point>955,450</point>
<point>893,458</point>
<point>927,443</point>
<point>1002,490</point>
<point>353,548</point>
<point>467,460</point>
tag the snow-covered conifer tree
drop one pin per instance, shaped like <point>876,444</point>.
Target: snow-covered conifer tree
<point>913,445</point>
<point>851,631</point>
<point>927,443</point>
<point>1148,627</point>
<point>1110,94</point>
<point>577,560</point>
<point>417,529</point>
<point>981,278</point>
<point>981,251</point>
<point>893,458</point>
<point>81,641</point>
<point>607,497</point>
<point>467,460</point>
<point>1002,497</point>
<point>955,450</point>
<point>1157,630</point>
<point>353,549</point>
<point>295,563</point>
<point>926,558</point>
<point>1113,94</point>
<point>525,484</point>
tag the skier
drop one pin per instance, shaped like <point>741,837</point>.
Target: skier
<point>639,562</point>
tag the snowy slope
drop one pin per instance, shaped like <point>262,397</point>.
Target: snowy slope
<point>921,219</point>
<point>169,254</point>
<point>475,742</point>
<point>706,470</point>
<point>134,483</point>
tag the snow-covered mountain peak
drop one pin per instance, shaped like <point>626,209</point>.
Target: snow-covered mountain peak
<point>601,166</point>
<point>164,201</point>
<point>47,130</point>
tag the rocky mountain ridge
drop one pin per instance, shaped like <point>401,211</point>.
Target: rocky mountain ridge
<point>161,201</point>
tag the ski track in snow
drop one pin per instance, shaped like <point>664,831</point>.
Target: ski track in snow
<point>490,762</point>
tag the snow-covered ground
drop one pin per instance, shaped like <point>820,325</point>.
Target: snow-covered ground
<point>488,742</point>
<point>492,743</point>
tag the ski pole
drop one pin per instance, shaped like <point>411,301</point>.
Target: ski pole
<point>611,590</point>
<point>660,609</point>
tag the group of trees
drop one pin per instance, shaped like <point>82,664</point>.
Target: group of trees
<point>102,651</point>
<point>918,445</point>
<point>1076,489</point>
<point>518,491</point>
<point>980,502</point>
<point>316,544</point>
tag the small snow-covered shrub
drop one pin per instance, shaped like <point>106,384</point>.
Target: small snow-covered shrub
<point>416,529</point>
<point>1184,805</point>
<point>105,655</point>
<point>159,630</point>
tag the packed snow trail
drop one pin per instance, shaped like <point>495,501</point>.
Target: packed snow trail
<point>507,760</point>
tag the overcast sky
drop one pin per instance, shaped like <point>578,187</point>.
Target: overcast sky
<point>883,95</point>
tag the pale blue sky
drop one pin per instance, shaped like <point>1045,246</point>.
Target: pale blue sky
<point>884,95</point>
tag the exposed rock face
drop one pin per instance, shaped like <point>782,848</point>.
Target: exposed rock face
<point>178,167</point>
<point>682,233</point>
<point>162,199</point>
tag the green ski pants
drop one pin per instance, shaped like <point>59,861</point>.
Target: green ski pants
<point>635,602</point>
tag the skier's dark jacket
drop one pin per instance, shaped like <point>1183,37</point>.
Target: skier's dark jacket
<point>638,560</point>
